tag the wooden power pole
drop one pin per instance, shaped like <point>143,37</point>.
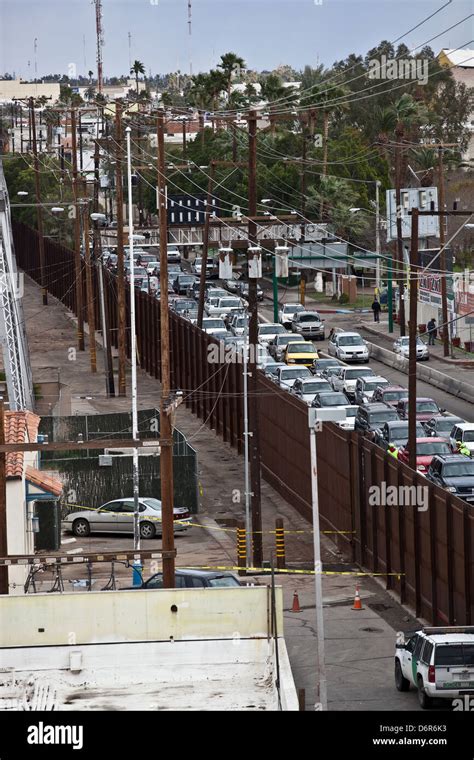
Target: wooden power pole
<point>254,444</point>
<point>39,210</point>
<point>77,236</point>
<point>442,255</point>
<point>89,288</point>
<point>122,318</point>
<point>412,340</point>
<point>166,430</point>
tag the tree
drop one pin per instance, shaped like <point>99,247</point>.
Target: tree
<point>90,93</point>
<point>231,65</point>
<point>89,74</point>
<point>337,197</point>
<point>137,68</point>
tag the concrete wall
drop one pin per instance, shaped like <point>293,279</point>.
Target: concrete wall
<point>20,539</point>
<point>116,616</point>
<point>15,88</point>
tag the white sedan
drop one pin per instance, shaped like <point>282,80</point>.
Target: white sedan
<point>117,517</point>
<point>267,332</point>
<point>402,347</point>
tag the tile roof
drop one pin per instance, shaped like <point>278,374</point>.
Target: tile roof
<point>20,427</point>
<point>44,481</point>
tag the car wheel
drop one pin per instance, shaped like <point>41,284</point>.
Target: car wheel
<point>81,527</point>
<point>402,683</point>
<point>424,700</point>
<point>147,530</point>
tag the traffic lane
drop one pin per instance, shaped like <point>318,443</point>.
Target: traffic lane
<point>454,405</point>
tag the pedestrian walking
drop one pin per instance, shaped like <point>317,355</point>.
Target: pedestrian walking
<point>376,309</point>
<point>432,332</point>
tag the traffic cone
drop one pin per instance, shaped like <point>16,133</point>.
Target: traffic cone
<point>357,600</point>
<point>296,603</point>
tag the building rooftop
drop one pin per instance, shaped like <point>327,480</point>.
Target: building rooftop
<point>20,427</point>
<point>458,57</point>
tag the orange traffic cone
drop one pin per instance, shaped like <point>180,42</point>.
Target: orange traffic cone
<point>296,603</point>
<point>357,600</point>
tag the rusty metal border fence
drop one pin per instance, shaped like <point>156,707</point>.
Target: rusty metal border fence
<point>427,557</point>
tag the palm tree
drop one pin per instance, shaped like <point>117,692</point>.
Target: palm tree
<point>231,64</point>
<point>273,89</point>
<point>137,68</point>
<point>425,160</point>
<point>89,74</point>
<point>90,93</point>
<point>199,97</point>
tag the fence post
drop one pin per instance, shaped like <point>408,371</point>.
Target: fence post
<point>280,544</point>
<point>241,548</point>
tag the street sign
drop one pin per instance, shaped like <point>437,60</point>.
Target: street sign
<point>412,197</point>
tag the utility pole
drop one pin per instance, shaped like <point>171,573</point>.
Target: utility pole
<point>39,210</point>
<point>442,256</point>
<point>77,236</point>
<point>122,319</point>
<point>253,343</point>
<point>89,289</point>
<point>412,340</point>
<point>205,244</point>
<point>377,235</point>
<point>3,503</point>
<point>400,263</point>
<point>183,121</point>
<point>166,430</point>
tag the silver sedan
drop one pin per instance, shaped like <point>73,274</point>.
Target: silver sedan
<point>117,517</point>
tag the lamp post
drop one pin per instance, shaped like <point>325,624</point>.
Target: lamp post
<point>133,351</point>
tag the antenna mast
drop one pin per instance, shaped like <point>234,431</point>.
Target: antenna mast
<point>100,42</point>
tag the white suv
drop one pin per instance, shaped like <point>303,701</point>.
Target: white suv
<point>439,662</point>
<point>463,432</point>
<point>348,346</point>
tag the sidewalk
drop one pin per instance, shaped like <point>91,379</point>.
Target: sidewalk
<point>359,645</point>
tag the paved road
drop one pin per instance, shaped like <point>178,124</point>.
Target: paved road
<point>454,405</point>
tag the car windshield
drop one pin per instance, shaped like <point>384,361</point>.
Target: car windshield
<point>325,363</point>
<point>271,329</point>
<point>272,369</point>
<point>379,417</point>
<point>351,340</point>
<point>229,302</point>
<point>394,395</point>
<point>332,399</point>
<point>309,318</point>
<point>301,348</point>
<point>315,387</point>
<point>183,305</point>
<point>371,386</point>
<point>452,655</point>
<point>292,308</point>
<point>223,581</point>
<point>288,374</point>
<point>185,278</point>
<point>241,322</point>
<point>331,370</point>
<point>210,323</point>
<point>351,411</point>
<point>352,374</point>
<point>468,436</point>
<point>445,425</point>
<point>458,469</point>
<point>153,504</point>
<point>426,406</point>
<point>429,449</point>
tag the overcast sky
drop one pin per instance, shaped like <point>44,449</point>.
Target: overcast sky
<point>265,33</point>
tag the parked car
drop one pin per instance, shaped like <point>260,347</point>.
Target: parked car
<point>390,394</point>
<point>455,473</point>
<point>346,377</point>
<point>462,432</point>
<point>402,347</point>
<point>366,386</point>
<point>395,433</point>
<point>219,307</point>
<point>441,425</point>
<point>321,364</point>
<point>371,417</point>
<point>302,352</point>
<point>425,409</point>
<point>214,325</point>
<point>348,346</point>
<point>308,324</point>
<point>117,517</point>
<point>307,387</point>
<point>243,291</point>
<point>438,662</point>
<point>238,323</point>
<point>286,376</point>
<point>173,254</point>
<point>331,399</point>
<point>426,448</point>
<point>196,266</point>
<point>183,284</point>
<point>268,331</point>
<point>278,345</point>
<point>192,578</point>
<point>287,312</point>
<point>271,370</point>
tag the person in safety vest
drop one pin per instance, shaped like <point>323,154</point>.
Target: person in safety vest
<point>463,449</point>
<point>392,450</point>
